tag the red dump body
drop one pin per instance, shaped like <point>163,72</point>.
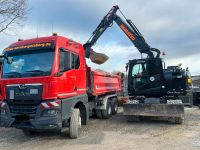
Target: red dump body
<point>102,83</point>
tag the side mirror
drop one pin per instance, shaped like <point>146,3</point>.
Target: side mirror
<point>122,75</point>
<point>1,60</point>
<point>9,59</point>
<point>58,74</point>
<point>127,65</point>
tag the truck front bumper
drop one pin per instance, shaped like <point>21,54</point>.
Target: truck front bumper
<point>40,120</point>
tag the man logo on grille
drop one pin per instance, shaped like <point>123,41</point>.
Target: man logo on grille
<point>22,86</point>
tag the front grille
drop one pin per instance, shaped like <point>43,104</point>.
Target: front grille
<point>23,109</point>
<point>30,95</point>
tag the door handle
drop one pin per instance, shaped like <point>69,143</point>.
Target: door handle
<point>75,88</point>
<point>72,77</point>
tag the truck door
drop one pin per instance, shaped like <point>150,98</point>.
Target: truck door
<point>68,78</point>
<point>80,74</point>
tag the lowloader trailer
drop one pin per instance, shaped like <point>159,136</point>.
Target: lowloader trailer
<point>47,85</point>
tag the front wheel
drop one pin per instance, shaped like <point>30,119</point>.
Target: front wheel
<point>75,123</point>
<point>28,132</point>
<point>132,118</point>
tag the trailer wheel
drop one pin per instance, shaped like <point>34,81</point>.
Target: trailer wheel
<point>114,106</point>
<point>75,123</point>
<point>106,114</point>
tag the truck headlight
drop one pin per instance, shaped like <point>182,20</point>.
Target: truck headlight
<point>50,112</point>
<point>3,108</point>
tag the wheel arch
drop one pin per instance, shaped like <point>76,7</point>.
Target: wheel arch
<point>83,111</point>
<point>104,101</point>
<point>71,103</point>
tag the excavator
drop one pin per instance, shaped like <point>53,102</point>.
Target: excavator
<point>153,89</point>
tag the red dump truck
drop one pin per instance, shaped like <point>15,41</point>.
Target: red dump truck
<point>46,84</point>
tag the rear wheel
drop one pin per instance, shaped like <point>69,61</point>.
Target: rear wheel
<point>106,114</point>
<point>99,114</point>
<point>114,106</point>
<point>75,123</point>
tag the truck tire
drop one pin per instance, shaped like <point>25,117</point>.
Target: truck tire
<point>106,114</point>
<point>83,115</point>
<point>175,120</point>
<point>28,132</point>
<point>99,114</point>
<point>132,118</point>
<point>75,123</point>
<point>114,105</point>
<point>179,120</point>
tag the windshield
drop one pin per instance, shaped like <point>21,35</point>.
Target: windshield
<point>28,63</point>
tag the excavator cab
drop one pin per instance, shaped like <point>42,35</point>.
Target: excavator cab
<point>145,77</point>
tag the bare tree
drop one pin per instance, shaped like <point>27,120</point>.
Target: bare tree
<point>12,13</point>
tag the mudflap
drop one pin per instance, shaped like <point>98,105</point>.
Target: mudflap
<point>155,110</point>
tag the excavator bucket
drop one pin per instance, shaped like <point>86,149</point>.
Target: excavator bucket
<point>98,58</point>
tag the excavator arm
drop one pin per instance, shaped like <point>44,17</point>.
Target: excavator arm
<point>106,22</point>
<point>128,28</point>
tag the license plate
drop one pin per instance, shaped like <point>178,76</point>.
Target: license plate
<point>33,91</point>
<point>133,102</point>
<point>12,94</point>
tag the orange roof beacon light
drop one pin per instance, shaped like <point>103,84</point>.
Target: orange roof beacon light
<point>55,34</point>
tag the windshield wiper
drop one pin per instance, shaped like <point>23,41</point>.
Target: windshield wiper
<point>13,74</point>
<point>36,71</point>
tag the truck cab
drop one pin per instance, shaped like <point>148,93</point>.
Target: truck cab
<point>42,71</point>
<point>43,80</point>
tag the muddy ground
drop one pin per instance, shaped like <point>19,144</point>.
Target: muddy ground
<point>113,134</point>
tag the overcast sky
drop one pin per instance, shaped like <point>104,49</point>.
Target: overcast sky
<point>173,26</point>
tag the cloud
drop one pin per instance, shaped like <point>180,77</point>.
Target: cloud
<point>118,56</point>
<point>169,25</point>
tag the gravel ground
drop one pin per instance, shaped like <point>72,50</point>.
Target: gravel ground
<point>113,134</point>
